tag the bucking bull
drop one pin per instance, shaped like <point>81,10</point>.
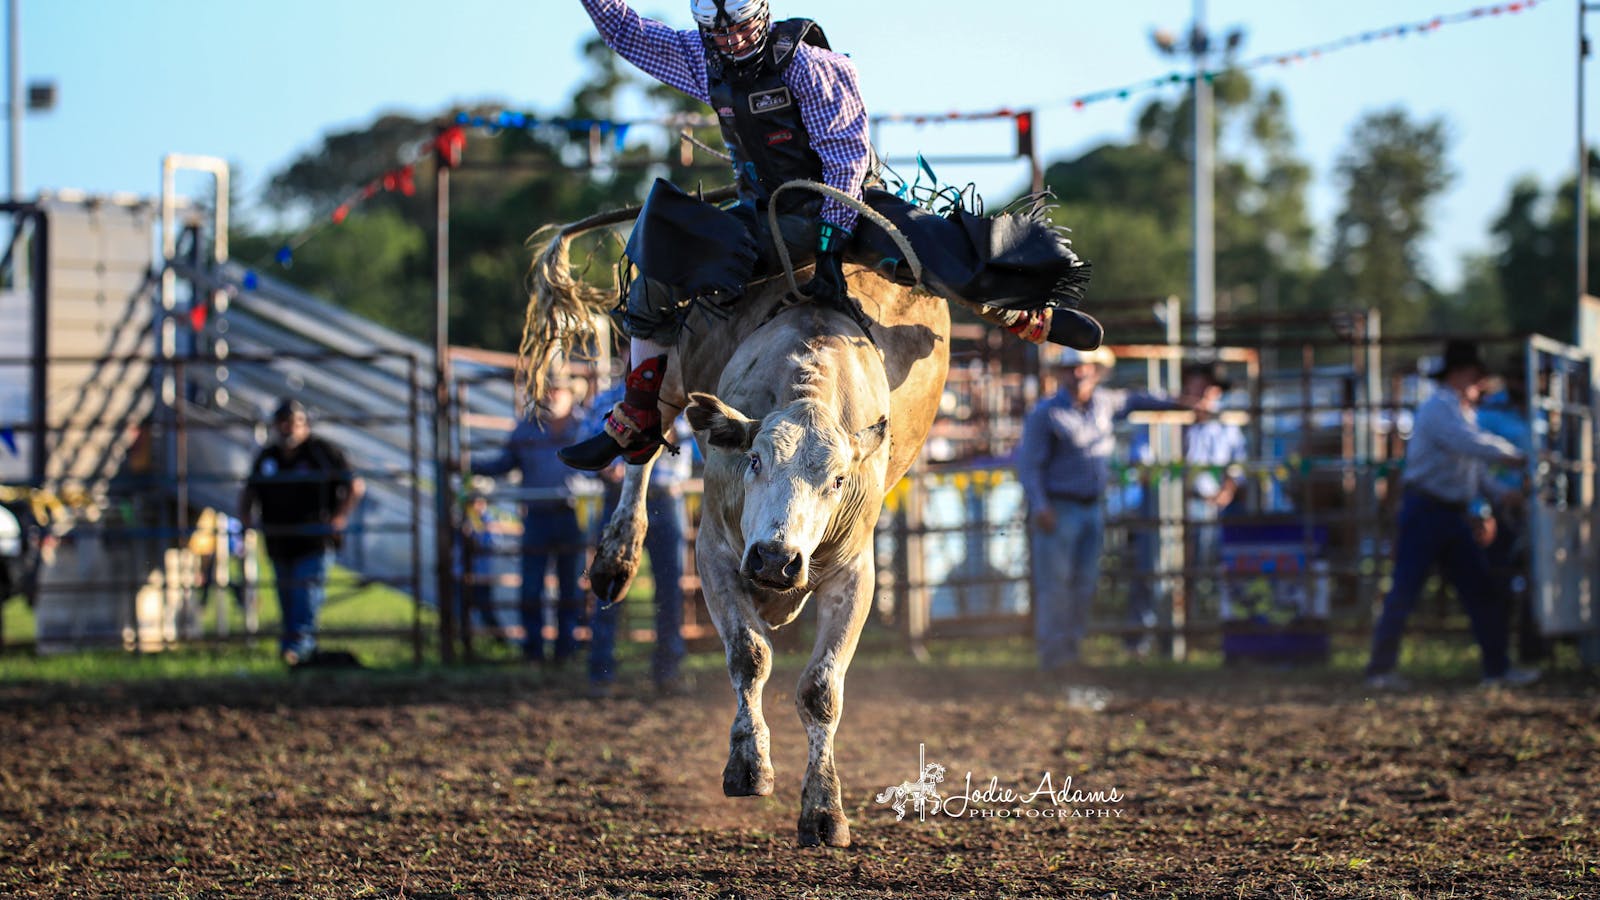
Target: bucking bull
<point>805,420</point>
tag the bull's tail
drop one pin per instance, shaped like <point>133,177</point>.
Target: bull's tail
<point>564,312</point>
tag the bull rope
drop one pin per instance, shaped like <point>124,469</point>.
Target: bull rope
<point>866,212</point>
<point>563,310</point>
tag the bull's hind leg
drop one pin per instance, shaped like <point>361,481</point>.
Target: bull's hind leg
<point>841,610</point>
<point>749,769</point>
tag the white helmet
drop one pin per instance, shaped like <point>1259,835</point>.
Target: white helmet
<point>736,29</point>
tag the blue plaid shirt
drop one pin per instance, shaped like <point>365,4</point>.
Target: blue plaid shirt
<point>823,82</point>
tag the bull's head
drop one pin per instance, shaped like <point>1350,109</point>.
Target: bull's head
<point>800,466</point>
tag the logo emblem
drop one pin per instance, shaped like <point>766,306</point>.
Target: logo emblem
<point>269,468</point>
<point>782,46</point>
<point>780,137</point>
<point>922,794</point>
<point>725,111</point>
<point>770,101</point>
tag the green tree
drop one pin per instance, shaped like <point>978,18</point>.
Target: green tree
<point>1131,204</point>
<point>1390,172</point>
<point>1535,256</point>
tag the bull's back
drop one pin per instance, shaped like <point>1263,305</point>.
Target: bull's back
<point>911,328</point>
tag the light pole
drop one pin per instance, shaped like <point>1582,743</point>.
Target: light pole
<point>41,97</point>
<point>1198,47</point>
<point>14,97</point>
<point>1581,201</point>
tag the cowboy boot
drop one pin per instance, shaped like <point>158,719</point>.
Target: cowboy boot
<point>632,429</point>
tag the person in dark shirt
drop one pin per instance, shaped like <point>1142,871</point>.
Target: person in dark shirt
<point>304,489</point>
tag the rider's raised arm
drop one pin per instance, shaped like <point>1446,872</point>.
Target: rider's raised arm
<point>836,119</point>
<point>674,58</point>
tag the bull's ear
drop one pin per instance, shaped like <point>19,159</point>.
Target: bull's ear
<point>727,428</point>
<point>869,439</point>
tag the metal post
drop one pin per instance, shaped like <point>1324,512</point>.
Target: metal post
<point>14,95</point>
<point>441,415</point>
<point>1205,300</point>
<point>414,457</point>
<point>1581,206</point>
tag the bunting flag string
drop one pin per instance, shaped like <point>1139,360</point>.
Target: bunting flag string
<point>447,146</point>
<point>1304,54</point>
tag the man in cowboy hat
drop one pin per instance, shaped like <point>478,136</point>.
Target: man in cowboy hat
<point>1064,466</point>
<point>1440,523</point>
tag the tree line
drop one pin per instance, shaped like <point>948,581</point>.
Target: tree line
<point>1128,205</point>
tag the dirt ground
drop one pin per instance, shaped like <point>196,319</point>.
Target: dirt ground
<point>508,783</point>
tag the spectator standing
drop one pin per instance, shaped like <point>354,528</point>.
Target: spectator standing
<point>1210,448</point>
<point>305,491</point>
<point>1064,466</point>
<point>1442,521</point>
<point>550,532</point>
<point>1505,413</point>
<point>664,541</point>
<point>477,551</point>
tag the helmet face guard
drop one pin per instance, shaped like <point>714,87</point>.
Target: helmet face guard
<point>736,30</point>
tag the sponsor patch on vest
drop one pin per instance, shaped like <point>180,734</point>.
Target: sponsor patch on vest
<point>782,46</point>
<point>770,101</point>
<point>780,137</point>
<point>725,111</point>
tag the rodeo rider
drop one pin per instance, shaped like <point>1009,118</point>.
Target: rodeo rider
<point>790,109</point>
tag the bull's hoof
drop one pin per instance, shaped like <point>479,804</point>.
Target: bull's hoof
<point>742,779</point>
<point>610,577</point>
<point>824,827</point>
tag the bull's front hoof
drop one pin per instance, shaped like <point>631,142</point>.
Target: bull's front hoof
<point>824,827</point>
<point>610,579</point>
<point>741,778</point>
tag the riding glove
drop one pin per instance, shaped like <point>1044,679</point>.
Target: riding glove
<point>828,283</point>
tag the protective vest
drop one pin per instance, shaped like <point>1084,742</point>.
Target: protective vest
<point>760,116</point>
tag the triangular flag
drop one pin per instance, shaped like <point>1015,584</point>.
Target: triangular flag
<point>9,439</point>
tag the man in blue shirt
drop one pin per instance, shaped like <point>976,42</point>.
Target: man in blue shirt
<point>550,532</point>
<point>1444,478</point>
<point>663,541</point>
<point>1064,466</point>
<point>1210,448</point>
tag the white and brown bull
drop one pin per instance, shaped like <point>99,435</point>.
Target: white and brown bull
<point>805,421</point>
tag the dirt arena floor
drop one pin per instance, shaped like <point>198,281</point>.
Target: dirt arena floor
<point>507,783</point>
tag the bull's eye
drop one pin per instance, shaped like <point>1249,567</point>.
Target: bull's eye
<point>755,464</point>
<point>838,482</point>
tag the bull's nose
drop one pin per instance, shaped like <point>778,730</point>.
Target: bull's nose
<point>774,564</point>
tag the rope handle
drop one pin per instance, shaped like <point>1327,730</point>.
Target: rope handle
<point>859,206</point>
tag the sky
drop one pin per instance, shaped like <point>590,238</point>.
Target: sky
<point>257,83</point>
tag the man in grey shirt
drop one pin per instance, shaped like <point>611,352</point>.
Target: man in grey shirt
<point>1445,475</point>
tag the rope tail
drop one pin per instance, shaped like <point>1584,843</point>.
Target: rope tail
<point>564,312</point>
